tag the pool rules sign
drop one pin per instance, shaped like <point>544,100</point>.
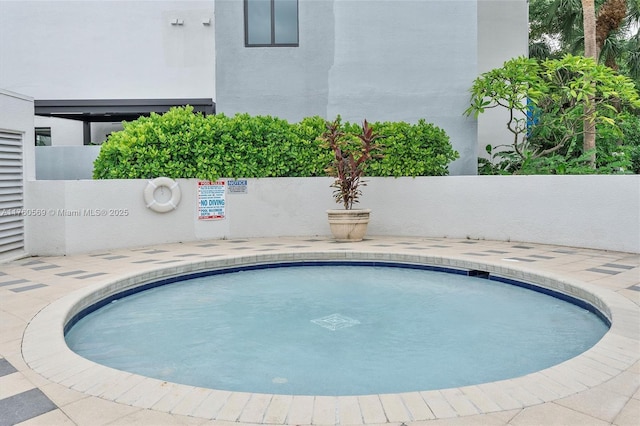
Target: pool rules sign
<point>211,201</point>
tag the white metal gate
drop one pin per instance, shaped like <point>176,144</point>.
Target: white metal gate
<point>11,199</point>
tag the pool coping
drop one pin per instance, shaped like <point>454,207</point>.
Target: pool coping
<point>45,352</point>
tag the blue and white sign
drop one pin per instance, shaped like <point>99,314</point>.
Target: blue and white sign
<point>237,186</point>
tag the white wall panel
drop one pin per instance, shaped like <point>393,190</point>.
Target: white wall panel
<point>600,212</point>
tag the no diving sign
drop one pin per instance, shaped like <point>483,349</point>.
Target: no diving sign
<point>211,202</point>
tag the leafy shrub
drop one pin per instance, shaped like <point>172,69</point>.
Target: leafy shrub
<point>630,126</point>
<point>420,149</point>
<point>184,144</point>
<point>174,142</point>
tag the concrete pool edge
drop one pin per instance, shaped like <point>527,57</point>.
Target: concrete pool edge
<point>45,352</point>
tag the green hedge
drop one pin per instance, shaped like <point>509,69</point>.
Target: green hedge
<point>183,144</point>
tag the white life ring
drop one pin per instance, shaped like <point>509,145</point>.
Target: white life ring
<point>150,199</point>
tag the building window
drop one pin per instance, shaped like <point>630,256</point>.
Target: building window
<point>43,136</point>
<point>270,23</point>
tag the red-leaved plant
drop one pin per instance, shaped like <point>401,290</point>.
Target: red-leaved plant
<point>350,160</point>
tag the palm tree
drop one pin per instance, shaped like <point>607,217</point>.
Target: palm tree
<point>631,47</point>
<point>590,50</point>
<point>556,27</point>
<point>631,58</point>
<point>611,15</point>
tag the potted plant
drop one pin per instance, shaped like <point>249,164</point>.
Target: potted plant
<point>351,156</point>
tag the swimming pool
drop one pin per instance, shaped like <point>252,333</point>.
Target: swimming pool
<point>335,328</point>
<point>567,271</point>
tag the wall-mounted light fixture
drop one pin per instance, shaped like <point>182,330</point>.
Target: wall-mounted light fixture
<point>206,21</point>
<point>177,21</point>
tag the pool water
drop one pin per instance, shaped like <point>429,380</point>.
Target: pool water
<point>335,330</point>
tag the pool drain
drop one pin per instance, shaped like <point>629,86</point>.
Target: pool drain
<point>335,321</point>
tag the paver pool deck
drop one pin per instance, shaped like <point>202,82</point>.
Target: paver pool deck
<point>44,383</point>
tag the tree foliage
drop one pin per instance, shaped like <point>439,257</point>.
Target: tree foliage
<point>546,113</point>
<point>556,28</point>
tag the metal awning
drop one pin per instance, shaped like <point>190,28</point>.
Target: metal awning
<point>113,110</point>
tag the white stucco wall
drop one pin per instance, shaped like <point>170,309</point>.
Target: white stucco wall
<point>63,132</point>
<point>586,211</point>
<point>66,132</point>
<point>65,162</point>
<point>107,49</point>
<point>501,36</point>
<point>382,60</point>
<point>354,59</point>
<point>68,49</point>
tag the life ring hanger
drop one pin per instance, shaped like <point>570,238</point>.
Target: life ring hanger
<point>165,206</point>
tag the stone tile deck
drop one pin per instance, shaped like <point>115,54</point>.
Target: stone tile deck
<point>43,383</point>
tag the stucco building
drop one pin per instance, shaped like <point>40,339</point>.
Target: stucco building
<point>94,62</point>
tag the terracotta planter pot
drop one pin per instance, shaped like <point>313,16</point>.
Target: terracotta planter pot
<point>348,225</point>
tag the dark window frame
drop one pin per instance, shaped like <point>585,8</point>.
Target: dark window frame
<point>273,27</point>
<point>41,135</point>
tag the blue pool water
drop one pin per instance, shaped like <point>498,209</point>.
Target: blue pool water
<point>335,330</point>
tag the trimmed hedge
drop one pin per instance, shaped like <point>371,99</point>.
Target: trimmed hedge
<point>184,144</point>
